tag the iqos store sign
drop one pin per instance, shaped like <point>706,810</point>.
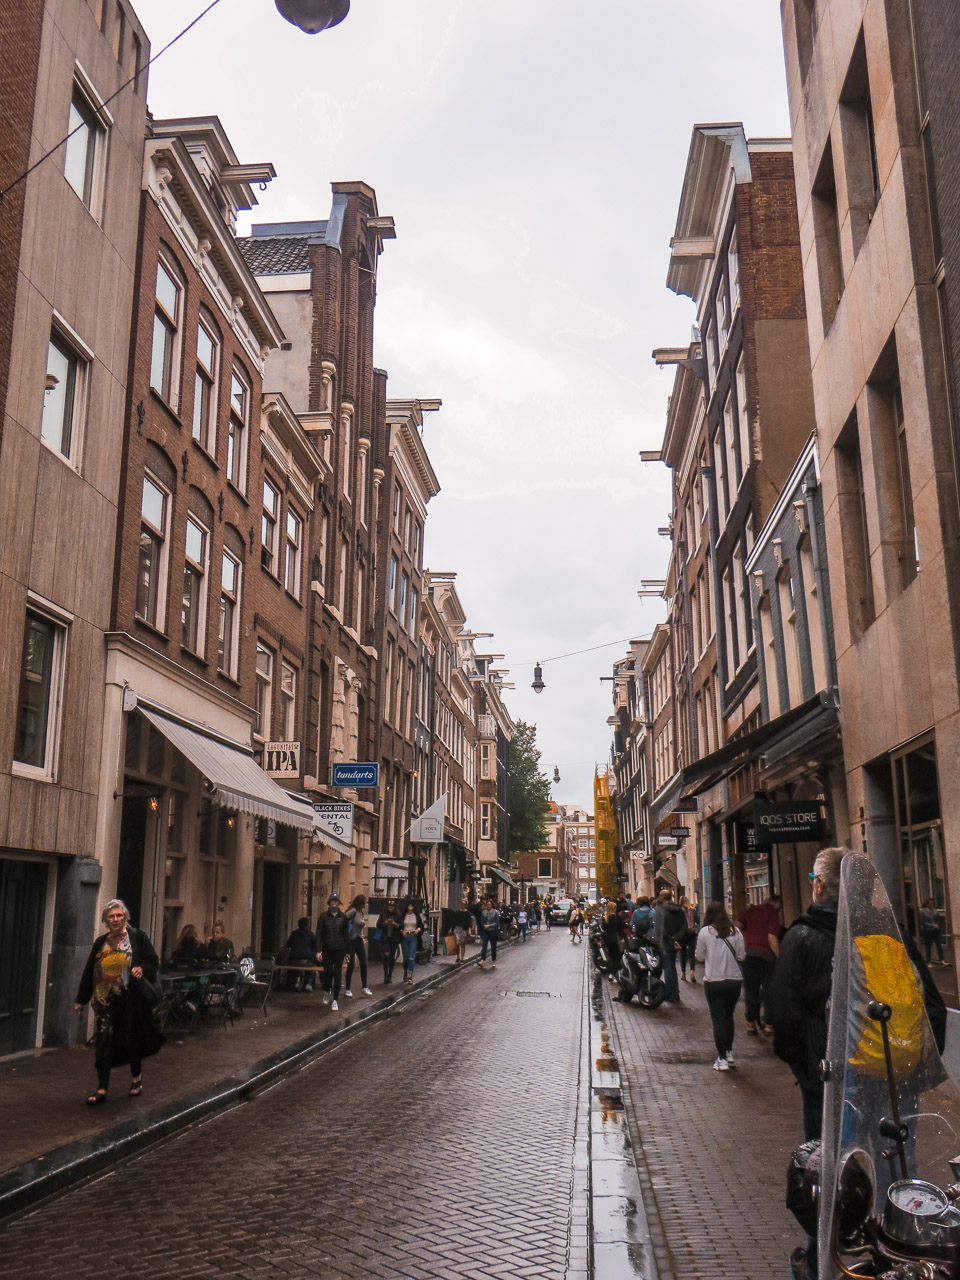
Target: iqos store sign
<point>787,822</point>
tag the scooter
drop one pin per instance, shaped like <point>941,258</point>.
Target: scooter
<point>881,1192</point>
<point>641,975</point>
<point>602,961</point>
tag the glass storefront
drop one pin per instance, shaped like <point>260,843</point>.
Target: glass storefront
<point>921,832</point>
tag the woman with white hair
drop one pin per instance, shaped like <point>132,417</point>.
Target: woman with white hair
<point>120,963</point>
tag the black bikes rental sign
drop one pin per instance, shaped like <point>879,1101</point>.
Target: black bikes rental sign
<point>787,821</point>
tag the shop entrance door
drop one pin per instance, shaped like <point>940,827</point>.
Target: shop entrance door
<point>23,887</point>
<point>133,840</point>
<point>273,906</point>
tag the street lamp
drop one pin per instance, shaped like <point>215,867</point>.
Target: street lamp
<point>313,16</point>
<point>556,773</point>
<point>538,685</point>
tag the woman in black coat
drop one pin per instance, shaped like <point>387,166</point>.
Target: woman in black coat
<point>119,961</point>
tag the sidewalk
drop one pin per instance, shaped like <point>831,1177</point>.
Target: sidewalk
<point>711,1147</point>
<point>52,1138</point>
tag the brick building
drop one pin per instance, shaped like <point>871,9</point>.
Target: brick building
<point>632,768</point>
<point>183,798</point>
<point>68,246</point>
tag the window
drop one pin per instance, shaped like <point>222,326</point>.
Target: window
<point>64,391</point>
<point>791,648</point>
<point>288,701</point>
<point>826,230</point>
<point>119,32</point>
<point>347,437</point>
<point>194,604</point>
<point>733,269</point>
<point>397,503</point>
<point>718,452</point>
<point>344,560</point>
<point>544,868</point>
<point>269,551</point>
<point>485,760</point>
<point>414,609</point>
<point>227,646</point>
<point>38,703</point>
<point>407,530</point>
<point>910,544</point>
<point>362,484</point>
<point>734,474</point>
<point>388,685</point>
<point>263,693</point>
<point>743,419</point>
<point>85,149</point>
<point>859,145</point>
<point>392,584</point>
<point>237,431</point>
<point>417,542</point>
<point>723,315</point>
<point>485,833</point>
<point>358,603</point>
<point>402,606</point>
<point>205,387</point>
<point>710,343</point>
<point>166,333</point>
<point>152,570</point>
<point>855,534</point>
<point>293,553</point>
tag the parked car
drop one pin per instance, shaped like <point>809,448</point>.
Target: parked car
<point>560,911</point>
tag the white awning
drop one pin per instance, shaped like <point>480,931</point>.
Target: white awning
<point>238,781</point>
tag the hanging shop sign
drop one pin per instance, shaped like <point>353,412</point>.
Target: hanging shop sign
<point>680,833</point>
<point>746,839</point>
<point>335,820</point>
<point>666,842</point>
<point>690,804</point>
<point>784,822</point>
<point>281,759</point>
<point>356,775</point>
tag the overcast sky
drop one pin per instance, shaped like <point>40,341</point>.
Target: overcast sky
<point>531,153</point>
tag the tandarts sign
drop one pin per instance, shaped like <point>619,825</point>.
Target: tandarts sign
<point>355,775</point>
<point>784,822</point>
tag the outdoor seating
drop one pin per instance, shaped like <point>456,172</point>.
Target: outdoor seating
<point>219,997</point>
<point>256,986</point>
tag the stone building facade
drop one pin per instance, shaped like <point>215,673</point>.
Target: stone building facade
<point>68,249</point>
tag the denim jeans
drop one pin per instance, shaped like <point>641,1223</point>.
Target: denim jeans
<point>670,980</point>
<point>408,949</point>
<point>757,978</point>
<point>722,997</point>
<point>523,932</point>
<point>488,937</point>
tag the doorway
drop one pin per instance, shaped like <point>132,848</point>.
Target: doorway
<point>133,842</point>
<point>273,906</point>
<point>23,887</point>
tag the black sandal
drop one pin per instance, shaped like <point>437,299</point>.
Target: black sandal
<point>96,1099</point>
<point>136,1087</point>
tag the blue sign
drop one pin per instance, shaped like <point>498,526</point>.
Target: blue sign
<point>355,775</point>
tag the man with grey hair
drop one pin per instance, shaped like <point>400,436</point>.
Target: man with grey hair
<point>801,987</point>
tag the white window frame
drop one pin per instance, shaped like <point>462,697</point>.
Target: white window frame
<point>288,701</point>
<point>236,460</point>
<point>204,430</point>
<point>99,124</point>
<point>733,272</point>
<point>743,418</point>
<point>173,327</point>
<point>158,622</point>
<point>270,529</point>
<point>397,506</point>
<point>729,439</point>
<point>60,621</point>
<point>263,695</point>
<point>292,552</point>
<point>233,652</point>
<point>723,317</point>
<point>485,826</point>
<point>201,568</point>
<point>394,573</point>
<point>80,359</point>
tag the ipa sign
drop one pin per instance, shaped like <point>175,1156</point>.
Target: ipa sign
<point>281,759</point>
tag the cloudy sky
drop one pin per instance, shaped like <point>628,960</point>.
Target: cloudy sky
<point>531,153</point>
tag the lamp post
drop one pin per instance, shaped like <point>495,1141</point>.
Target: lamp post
<point>314,16</point>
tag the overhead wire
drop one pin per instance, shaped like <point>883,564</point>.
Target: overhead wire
<point>542,662</point>
<point>126,84</point>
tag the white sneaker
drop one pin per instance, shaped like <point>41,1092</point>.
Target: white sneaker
<point>367,991</point>
<point>308,987</point>
<point>335,1007</point>
<point>730,1061</point>
<point>349,993</point>
<point>721,1064</point>
<point>326,997</point>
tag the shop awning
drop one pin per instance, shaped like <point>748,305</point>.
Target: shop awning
<point>237,780</point>
<point>501,875</point>
<point>669,875</point>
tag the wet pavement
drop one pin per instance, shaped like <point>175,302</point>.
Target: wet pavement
<point>711,1147</point>
<point>447,1139</point>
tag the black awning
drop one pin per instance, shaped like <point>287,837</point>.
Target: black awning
<point>822,721</point>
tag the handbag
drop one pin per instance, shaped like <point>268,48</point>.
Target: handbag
<point>377,935</point>
<point>729,945</point>
<point>151,992</point>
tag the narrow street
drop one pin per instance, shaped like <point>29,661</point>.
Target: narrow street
<point>439,1143</point>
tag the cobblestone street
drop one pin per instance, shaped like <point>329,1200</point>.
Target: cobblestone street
<point>439,1143</point>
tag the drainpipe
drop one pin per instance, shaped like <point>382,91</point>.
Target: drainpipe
<point>707,473</point>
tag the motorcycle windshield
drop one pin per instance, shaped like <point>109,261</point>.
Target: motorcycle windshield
<point>871,964</point>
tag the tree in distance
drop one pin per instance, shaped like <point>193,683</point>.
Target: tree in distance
<point>529,792</point>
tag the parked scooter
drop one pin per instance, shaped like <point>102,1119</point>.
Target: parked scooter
<point>641,975</point>
<point>881,1192</point>
<point>599,954</point>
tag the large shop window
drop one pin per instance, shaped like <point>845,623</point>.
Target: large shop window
<point>920,825</point>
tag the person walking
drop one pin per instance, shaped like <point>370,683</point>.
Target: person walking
<point>669,927</point>
<point>357,918</point>
<point>721,951</point>
<point>411,929</point>
<point>304,954</point>
<point>546,914</point>
<point>121,979</point>
<point>489,932</point>
<point>461,931</point>
<point>333,934</point>
<point>522,922</point>
<point>688,944</point>
<point>929,920</point>
<point>388,926</point>
<point>761,936</point>
<point>576,919</point>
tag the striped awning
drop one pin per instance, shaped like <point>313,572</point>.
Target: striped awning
<point>237,780</point>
